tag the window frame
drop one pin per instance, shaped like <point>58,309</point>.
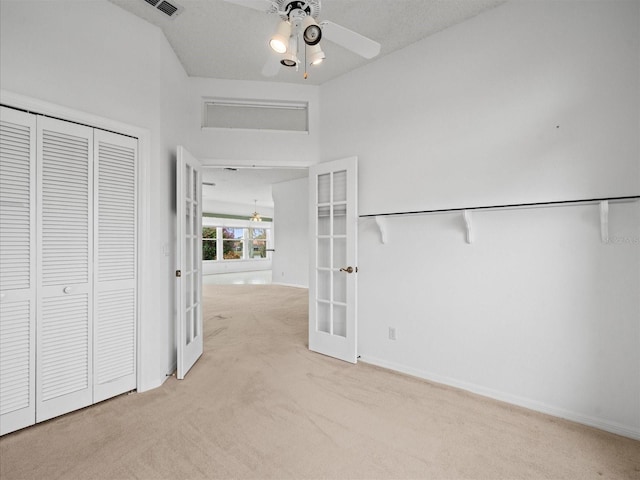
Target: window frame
<point>213,240</point>
<point>247,239</point>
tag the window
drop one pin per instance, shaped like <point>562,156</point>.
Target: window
<point>209,243</point>
<point>258,242</point>
<point>232,243</point>
<point>235,243</point>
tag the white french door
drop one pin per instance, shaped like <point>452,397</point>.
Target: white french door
<point>333,271</point>
<point>189,262</point>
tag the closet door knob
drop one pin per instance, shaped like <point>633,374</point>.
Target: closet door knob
<point>66,289</point>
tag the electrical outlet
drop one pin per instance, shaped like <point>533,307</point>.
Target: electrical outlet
<point>392,333</point>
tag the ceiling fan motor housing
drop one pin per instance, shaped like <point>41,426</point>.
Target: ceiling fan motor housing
<point>310,7</point>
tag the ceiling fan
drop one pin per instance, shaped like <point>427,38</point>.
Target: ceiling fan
<point>298,35</point>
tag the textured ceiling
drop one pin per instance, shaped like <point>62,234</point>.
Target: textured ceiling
<point>245,185</point>
<point>217,39</point>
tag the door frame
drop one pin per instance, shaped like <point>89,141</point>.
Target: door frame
<point>144,262</point>
<point>209,163</point>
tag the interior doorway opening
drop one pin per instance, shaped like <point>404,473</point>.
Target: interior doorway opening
<point>248,212</point>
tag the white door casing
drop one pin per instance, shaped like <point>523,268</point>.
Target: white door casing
<point>333,214</point>
<point>17,269</point>
<point>189,335</point>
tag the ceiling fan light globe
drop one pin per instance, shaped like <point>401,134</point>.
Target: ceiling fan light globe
<point>280,39</point>
<point>288,62</point>
<point>278,45</point>
<point>312,33</point>
<point>316,55</point>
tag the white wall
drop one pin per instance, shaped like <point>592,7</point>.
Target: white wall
<point>96,58</point>
<point>532,101</point>
<point>291,233</point>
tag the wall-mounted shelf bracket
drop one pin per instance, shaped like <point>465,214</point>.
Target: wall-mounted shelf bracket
<point>466,215</point>
<point>382,226</point>
<point>604,221</point>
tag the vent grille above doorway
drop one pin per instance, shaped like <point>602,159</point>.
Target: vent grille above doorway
<point>245,114</point>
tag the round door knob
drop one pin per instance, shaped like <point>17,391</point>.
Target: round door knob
<point>66,289</point>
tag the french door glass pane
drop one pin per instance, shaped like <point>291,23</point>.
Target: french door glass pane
<point>188,295</point>
<point>340,320</point>
<point>196,312</point>
<point>196,223</point>
<point>324,253</point>
<point>324,317</point>
<point>340,219</point>
<point>324,188</point>
<point>194,186</point>
<point>187,184</point>
<point>188,262</point>
<point>324,285</point>
<point>339,287</point>
<point>340,186</point>
<point>324,220</point>
<point>339,252</point>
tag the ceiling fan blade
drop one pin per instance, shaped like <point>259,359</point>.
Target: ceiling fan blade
<point>261,5</point>
<point>363,46</point>
<point>272,67</point>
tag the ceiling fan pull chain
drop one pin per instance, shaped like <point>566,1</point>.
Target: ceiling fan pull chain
<point>306,75</point>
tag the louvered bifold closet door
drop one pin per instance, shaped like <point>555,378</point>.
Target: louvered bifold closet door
<point>17,269</point>
<point>115,265</point>
<point>65,258</point>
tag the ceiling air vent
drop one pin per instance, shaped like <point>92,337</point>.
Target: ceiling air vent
<point>171,9</point>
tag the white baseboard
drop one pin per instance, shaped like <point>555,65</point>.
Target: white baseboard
<point>289,285</point>
<point>599,423</point>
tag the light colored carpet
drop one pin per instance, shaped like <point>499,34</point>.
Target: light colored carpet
<point>258,404</point>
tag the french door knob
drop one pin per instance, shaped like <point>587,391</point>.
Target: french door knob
<point>347,269</point>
